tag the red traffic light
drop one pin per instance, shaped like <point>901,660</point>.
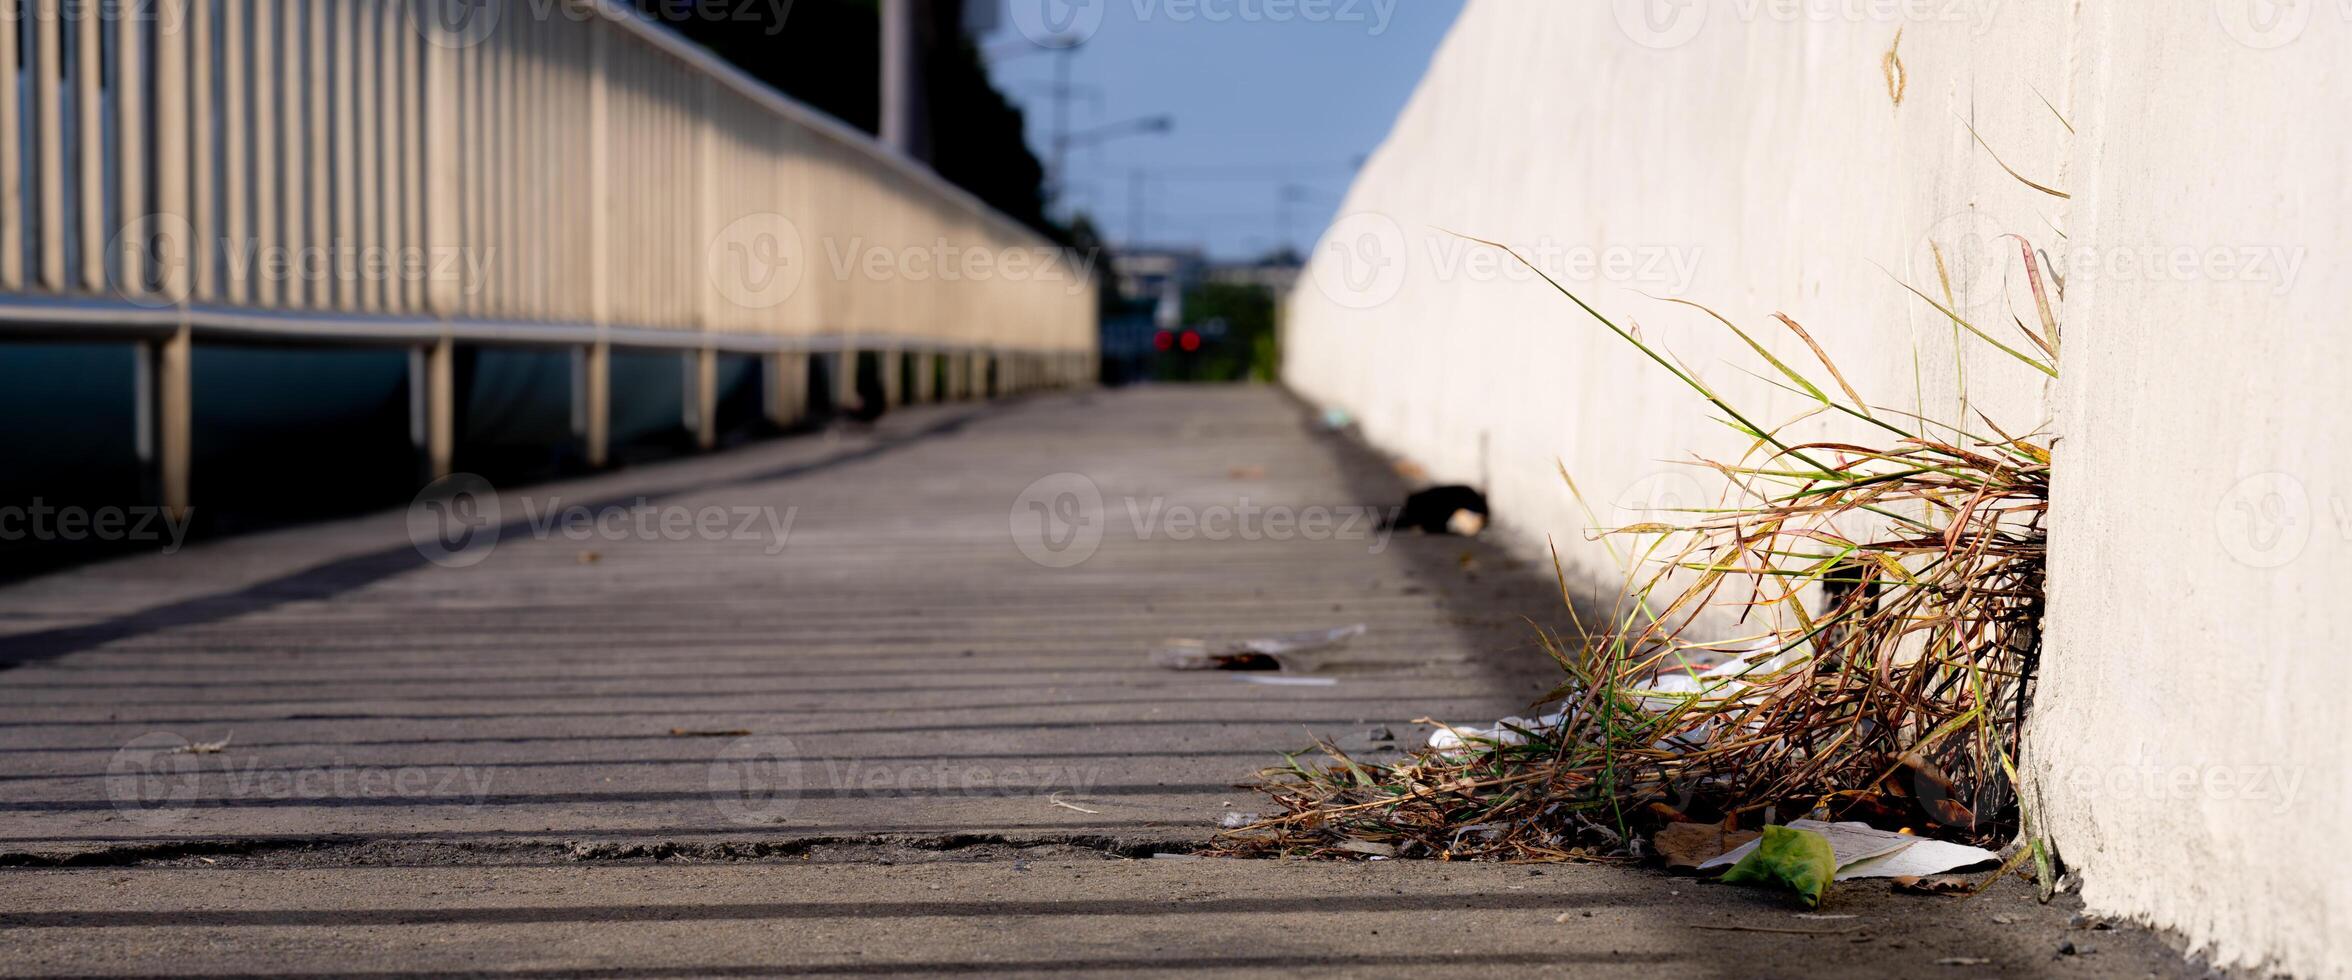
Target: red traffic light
<point>1163,340</point>
<point>1191,341</point>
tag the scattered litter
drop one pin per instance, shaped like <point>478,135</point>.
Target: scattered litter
<point>1934,885</point>
<point>206,748</point>
<point>1287,652</point>
<point>1273,681</point>
<point>1471,739</point>
<point>1964,961</point>
<point>1684,845</point>
<point>2004,920</point>
<point>1235,821</point>
<point>2068,948</point>
<point>1449,509</point>
<point>1864,851</point>
<point>208,860</point>
<point>1373,848</point>
<point>1068,806</point>
<point>709,732</point>
<point>1797,859</point>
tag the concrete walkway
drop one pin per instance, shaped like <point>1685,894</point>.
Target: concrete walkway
<point>869,704</point>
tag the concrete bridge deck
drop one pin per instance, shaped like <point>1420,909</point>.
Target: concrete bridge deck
<point>850,727</point>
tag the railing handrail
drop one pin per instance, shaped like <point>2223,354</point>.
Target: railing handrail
<point>701,58</point>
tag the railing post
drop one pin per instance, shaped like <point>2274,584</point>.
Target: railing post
<point>926,377</point>
<point>173,401</point>
<point>893,364</point>
<point>844,376</point>
<point>786,386</point>
<point>441,406</point>
<point>597,402</point>
<point>706,397</point>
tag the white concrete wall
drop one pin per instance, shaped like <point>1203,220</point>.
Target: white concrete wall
<point>1736,154</point>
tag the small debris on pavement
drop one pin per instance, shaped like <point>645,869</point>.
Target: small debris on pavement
<point>1964,961</point>
<point>1247,472</point>
<point>1057,801</point>
<point>590,557</point>
<point>1235,821</point>
<point>1934,885</point>
<point>2068,948</point>
<point>1381,734</point>
<point>1286,652</point>
<point>206,748</point>
<point>1373,848</point>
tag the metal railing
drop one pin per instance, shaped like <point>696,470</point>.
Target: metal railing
<point>424,172</point>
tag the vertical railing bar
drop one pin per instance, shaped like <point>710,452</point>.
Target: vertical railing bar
<point>171,147</point>
<point>599,211</point>
<point>265,272</point>
<point>390,206</point>
<point>235,173</point>
<point>50,162</point>
<point>319,182</point>
<point>346,174</point>
<point>533,98</point>
<point>130,145</point>
<point>92,130</point>
<point>361,64</point>
<point>416,90</point>
<point>295,148</point>
<point>12,220</point>
<point>203,144</point>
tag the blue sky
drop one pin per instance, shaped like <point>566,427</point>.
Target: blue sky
<point>1266,95</point>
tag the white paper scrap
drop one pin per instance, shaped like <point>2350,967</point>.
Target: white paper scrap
<point>1864,851</point>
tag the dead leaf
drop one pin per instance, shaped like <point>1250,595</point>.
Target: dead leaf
<point>1934,885</point>
<point>1685,845</point>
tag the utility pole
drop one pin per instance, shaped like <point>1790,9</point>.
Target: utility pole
<point>1061,121</point>
<point>1135,207</point>
<point>900,114</point>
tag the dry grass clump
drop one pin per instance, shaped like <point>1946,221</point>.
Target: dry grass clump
<point>1888,596</point>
